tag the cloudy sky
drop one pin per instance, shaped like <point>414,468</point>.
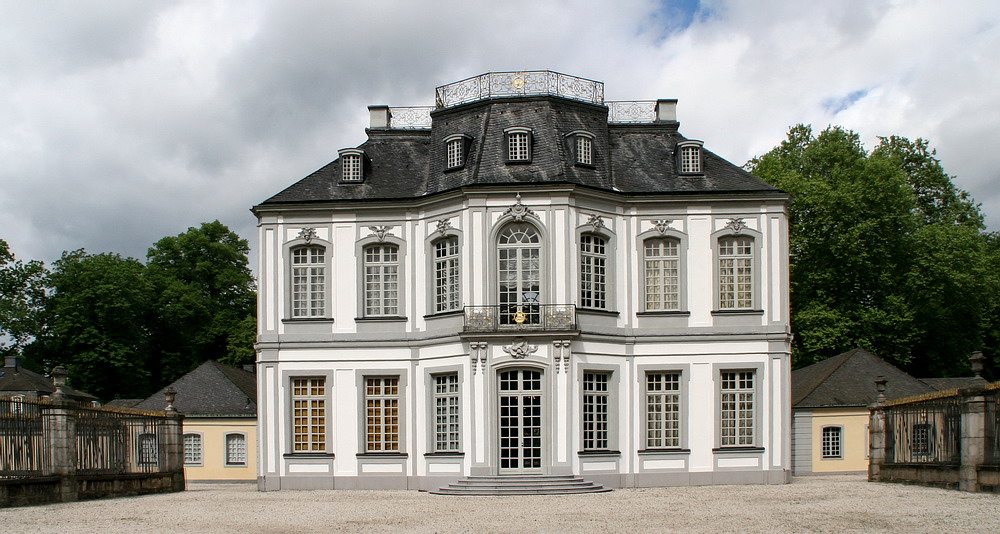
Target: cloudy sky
<point>125,121</point>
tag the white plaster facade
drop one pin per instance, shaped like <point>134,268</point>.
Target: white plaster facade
<point>621,341</point>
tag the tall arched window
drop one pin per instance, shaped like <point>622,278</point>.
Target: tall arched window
<point>519,274</point>
<point>308,282</point>
<point>661,259</point>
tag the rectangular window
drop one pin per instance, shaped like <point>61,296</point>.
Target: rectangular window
<point>455,156</point>
<point>595,411</point>
<point>518,146</point>
<point>662,265</point>
<point>921,440</point>
<point>381,280</point>
<point>593,272</point>
<point>832,441</point>
<point>236,449</point>
<point>690,159</point>
<point>148,449</point>
<point>309,414</point>
<point>663,410</point>
<point>737,409</point>
<point>352,167</point>
<point>446,275</point>
<point>446,416</point>
<point>382,415</point>
<point>735,273</point>
<point>192,449</point>
<point>584,150</point>
<point>308,282</point>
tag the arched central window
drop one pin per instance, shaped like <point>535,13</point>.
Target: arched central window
<point>519,274</point>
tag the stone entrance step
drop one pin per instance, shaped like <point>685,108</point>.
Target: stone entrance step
<point>520,485</point>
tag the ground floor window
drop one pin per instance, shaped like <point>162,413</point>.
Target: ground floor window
<point>382,414</point>
<point>832,442</point>
<point>595,410</point>
<point>236,449</point>
<point>738,398</point>
<point>192,449</point>
<point>309,414</point>
<point>663,410</point>
<point>446,416</point>
<point>148,453</point>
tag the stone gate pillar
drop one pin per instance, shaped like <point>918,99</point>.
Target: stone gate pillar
<point>876,432</point>
<point>59,428</point>
<point>172,441</point>
<point>973,438</point>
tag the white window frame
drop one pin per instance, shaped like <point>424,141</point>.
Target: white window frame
<point>447,275</point>
<point>739,403</point>
<point>382,279</point>
<point>666,269</point>
<point>308,412</point>
<point>194,449</point>
<point>236,447</point>
<point>148,448</point>
<point>596,404</point>
<point>593,271</point>
<point>518,141</point>
<point>446,402</point>
<point>736,272</point>
<point>690,156</point>
<point>456,148</point>
<point>584,150</point>
<point>309,281</point>
<point>832,442</point>
<point>352,165</point>
<point>383,414</point>
<point>664,409</point>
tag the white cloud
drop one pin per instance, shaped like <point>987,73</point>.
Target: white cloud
<point>127,121</point>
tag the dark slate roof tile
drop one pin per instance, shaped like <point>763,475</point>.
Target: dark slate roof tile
<point>212,389</point>
<point>848,379</point>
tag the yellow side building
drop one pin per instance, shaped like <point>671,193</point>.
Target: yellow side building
<point>219,403</point>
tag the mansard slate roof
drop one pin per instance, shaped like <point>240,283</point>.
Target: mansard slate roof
<point>848,380</point>
<point>213,389</point>
<point>632,159</point>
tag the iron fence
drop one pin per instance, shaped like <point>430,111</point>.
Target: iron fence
<point>117,441</point>
<point>22,438</point>
<point>503,84</point>
<point>992,425</point>
<point>632,112</point>
<point>927,431</point>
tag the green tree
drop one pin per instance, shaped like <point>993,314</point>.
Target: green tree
<point>204,295</point>
<point>884,247</point>
<point>96,324</point>
<point>22,296</point>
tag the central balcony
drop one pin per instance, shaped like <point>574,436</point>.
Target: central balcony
<point>520,318</point>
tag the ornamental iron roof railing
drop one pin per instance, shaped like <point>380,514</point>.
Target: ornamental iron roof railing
<point>631,112</point>
<point>410,118</point>
<point>521,83</point>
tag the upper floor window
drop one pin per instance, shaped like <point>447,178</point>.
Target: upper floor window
<point>446,275</point>
<point>690,156</point>
<point>381,280</point>
<point>661,262</point>
<point>736,272</point>
<point>518,145</point>
<point>593,271</point>
<point>308,281</point>
<point>456,148</point>
<point>352,161</point>
<point>519,272</point>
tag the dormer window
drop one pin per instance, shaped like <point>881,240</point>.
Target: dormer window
<point>689,153</point>
<point>581,144</point>
<point>456,149</point>
<point>518,145</point>
<point>352,165</point>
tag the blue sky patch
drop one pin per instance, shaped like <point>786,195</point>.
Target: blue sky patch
<point>837,104</point>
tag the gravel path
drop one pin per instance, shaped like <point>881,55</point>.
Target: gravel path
<point>810,504</point>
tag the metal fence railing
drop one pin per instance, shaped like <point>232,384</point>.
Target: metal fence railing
<point>927,431</point>
<point>22,438</point>
<point>520,317</point>
<point>117,441</point>
<point>992,424</point>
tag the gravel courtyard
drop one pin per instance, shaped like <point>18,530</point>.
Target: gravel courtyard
<point>810,504</point>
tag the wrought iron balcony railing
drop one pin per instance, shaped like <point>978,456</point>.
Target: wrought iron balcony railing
<point>520,317</point>
<point>537,82</point>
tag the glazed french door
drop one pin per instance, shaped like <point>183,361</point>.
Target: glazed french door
<point>520,421</point>
<point>519,274</point>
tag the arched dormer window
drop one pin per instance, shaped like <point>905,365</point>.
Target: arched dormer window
<point>518,144</point>
<point>456,150</point>
<point>352,165</point>
<point>689,157</point>
<point>581,146</point>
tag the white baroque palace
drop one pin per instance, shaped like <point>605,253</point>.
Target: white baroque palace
<point>524,279</point>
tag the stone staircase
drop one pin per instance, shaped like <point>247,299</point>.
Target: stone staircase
<point>520,485</point>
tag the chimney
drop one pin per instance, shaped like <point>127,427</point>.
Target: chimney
<point>250,368</point>
<point>666,110</point>
<point>380,116</point>
<point>10,361</point>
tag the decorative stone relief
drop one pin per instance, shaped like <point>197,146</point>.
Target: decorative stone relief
<point>520,349</point>
<point>380,231</point>
<point>308,234</point>
<point>518,211</point>
<point>595,220</point>
<point>736,224</point>
<point>443,226</point>
<point>662,225</point>
<point>479,355</point>
<point>561,350</point>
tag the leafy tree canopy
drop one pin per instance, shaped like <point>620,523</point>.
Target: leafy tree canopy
<point>22,296</point>
<point>887,253</point>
